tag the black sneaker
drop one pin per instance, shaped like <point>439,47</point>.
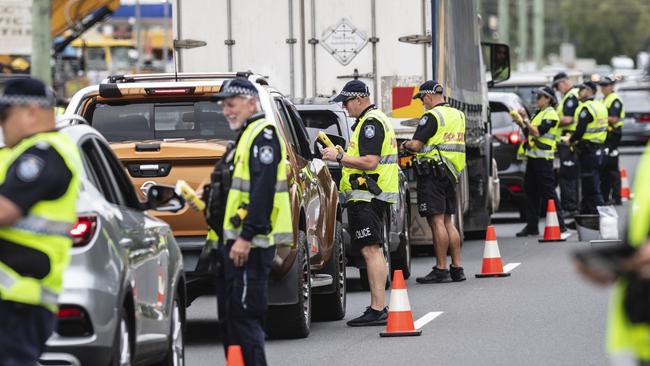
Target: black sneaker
<point>435,276</point>
<point>370,317</point>
<point>527,232</point>
<point>457,274</point>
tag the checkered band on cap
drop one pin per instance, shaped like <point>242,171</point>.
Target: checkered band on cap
<point>354,94</point>
<point>239,90</point>
<point>16,99</point>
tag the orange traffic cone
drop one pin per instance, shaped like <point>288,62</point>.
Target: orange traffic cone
<point>625,186</point>
<point>552,229</point>
<point>492,264</point>
<point>400,319</point>
<point>235,357</point>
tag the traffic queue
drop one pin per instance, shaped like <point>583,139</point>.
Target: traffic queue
<point>252,205</point>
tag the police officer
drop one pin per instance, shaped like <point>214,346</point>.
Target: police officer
<point>569,176</point>
<point>542,133</point>
<point>610,176</point>
<point>588,139</point>
<point>39,183</point>
<point>439,145</point>
<point>370,183</point>
<point>256,217</point>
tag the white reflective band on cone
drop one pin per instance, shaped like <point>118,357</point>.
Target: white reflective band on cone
<point>551,219</point>
<point>399,300</point>
<point>491,249</point>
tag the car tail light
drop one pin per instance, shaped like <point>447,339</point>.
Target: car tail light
<point>644,118</point>
<point>170,91</point>
<point>514,138</point>
<point>515,188</point>
<point>73,321</point>
<point>83,230</point>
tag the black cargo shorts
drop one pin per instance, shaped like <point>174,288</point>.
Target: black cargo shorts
<point>366,221</point>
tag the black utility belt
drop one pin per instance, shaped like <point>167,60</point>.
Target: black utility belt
<point>365,182</point>
<point>431,168</point>
<point>542,146</point>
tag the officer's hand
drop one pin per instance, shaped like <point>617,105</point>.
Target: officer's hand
<point>239,252</point>
<point>330,153</point>
<point>640,261</point>
<point>402,146</point>
<point>597,276</point>
<point>565,139</point>
<point>191,203</point>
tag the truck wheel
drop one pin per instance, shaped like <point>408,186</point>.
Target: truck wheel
<point>294,321</point>
<point>332,306</point>
<point>402,258</point>
<point>363,272</point>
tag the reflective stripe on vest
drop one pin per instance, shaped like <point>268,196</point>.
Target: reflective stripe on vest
<point>560,109</point>
<point>239,193</point>
<point>448,143</point>
<point>549,139</point>
<point>44,228</point>
<point>387,169</point>
<point>596,131</point>
<point>608,101</point>
<point>624,337</point>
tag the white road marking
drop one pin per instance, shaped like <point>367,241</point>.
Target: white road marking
<point>510,266</point>
<point>426,319</point>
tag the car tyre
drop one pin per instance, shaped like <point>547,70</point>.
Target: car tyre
<point>294,321</point>
<point>176,349</point>
<point>332,306</point>
<point>122,345</point>
<point>363,272</point>
<point>402,258</point>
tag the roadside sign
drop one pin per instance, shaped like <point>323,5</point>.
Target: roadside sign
<point>15,27</point>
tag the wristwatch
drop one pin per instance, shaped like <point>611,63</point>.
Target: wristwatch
<point>339,157</point>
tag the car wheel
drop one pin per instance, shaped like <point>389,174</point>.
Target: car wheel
<point>122,353</point>
<point>402,258</point>
<point>176,349</point>
<point>331,306</point>
<point>294,321</point>
<point>363,272</point>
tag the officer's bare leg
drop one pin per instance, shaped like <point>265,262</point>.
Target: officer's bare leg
<point>440,239</point>
<point>377,272</point>
<point>454,241</point>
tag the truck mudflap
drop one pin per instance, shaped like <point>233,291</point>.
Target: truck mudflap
<point>283,291</point>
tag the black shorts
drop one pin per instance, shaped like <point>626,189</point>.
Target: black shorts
<point>436,195</point>
<point>366,220</point>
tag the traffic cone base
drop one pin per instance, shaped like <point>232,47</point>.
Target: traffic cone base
<point>552,229</point>
<point>485,275</point>
<point>400,319</point>
<point>492,263</point>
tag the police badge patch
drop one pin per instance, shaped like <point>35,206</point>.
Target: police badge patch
<point>266,155</point>
<point>423,121</point>
<point>583,114</point>
<point>29,168</point>
<point>369,131</point>
<point>569,103</point>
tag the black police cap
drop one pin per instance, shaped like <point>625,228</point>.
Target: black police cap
<point>559,77</point>
<point>238,86</point>
<point>589,84</point>
<point>352,89</point>
<point>605,81</point>
<point>25,91</point>
<point>545,90</point>
<point>428,87</point>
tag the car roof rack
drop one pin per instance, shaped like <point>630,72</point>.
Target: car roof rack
<point>170,76</point>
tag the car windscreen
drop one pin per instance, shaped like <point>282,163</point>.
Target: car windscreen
<point>635,101</point>
<point>316,121</point>
<point>525,92</point>
<point>159,121</point>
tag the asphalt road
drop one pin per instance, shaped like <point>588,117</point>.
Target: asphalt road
<point>544,314</point>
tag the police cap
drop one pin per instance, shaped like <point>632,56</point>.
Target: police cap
<point>351,90</point>
<point>238,86</point>
<point>559,77</point>
<point>605,81</point>
<point>546,91</point>
<point>428,87</point>
<point>25,91</point>
<point>588,84</point>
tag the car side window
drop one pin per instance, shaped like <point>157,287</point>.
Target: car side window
<point>100,176</point>
<point>286,124</point>
<point>299,130</point>
<point>124,185</point>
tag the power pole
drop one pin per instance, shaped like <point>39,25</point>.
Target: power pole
<point>522,30</point>
<point>41,62</point>
<point>138,35</point>
<point>538,32</point>
<point>504,21</point>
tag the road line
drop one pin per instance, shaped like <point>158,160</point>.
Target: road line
<point>426,319</point>
<point>510,266</point>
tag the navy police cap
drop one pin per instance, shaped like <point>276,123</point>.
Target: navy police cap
<point>352,89</point>
<point>559,77</point>
<point>238,86</point>
<point>25,91</point>
<point>589,84</point>
<point>428,87</point>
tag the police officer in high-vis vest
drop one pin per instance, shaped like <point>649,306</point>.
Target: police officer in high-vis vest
<point>39,183</point>
<point>588,139</point>
<point>569,174</point>
<point>370,183</point>
<point>439,147</point>
<point>610,176</point>
<point>256,217</point>
<point>542,132</point>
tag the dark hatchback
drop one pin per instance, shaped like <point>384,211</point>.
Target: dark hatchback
<point>506,139</point>
<point>636,101</point>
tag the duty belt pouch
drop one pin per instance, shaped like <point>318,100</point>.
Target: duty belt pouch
<point>422,168</point>
<point>637,300</point>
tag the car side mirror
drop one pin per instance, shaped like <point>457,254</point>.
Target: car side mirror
<point>164,198</point>
<point>497,57</point>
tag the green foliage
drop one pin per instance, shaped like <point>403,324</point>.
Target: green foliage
<point>606,28</point>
